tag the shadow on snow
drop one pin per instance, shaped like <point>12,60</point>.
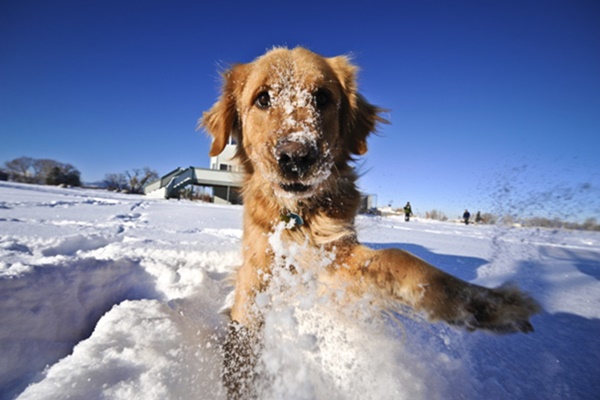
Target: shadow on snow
<point>48,310</point>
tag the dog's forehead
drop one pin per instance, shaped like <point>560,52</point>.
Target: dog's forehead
<point>283,67</point>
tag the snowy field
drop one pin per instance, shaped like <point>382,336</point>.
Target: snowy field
<point>110,296</point>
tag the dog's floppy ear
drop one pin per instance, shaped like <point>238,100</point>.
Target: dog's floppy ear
<point>358,117</point>
<point>222,120</point>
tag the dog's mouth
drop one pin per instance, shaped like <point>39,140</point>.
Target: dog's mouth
<point>305,187</point>
<point>301,167</point>
<point>295,187</point>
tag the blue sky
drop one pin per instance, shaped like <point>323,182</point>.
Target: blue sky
<point>495,105</point>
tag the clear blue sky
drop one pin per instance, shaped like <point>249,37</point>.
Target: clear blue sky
<point>494,104</point>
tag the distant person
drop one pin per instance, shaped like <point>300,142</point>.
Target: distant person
<point>407,211</point>
<point>466,216</point>
<point>478,218</point>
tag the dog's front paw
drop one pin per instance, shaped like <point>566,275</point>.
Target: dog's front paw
<point>240,352</point>
<point>502,310</point>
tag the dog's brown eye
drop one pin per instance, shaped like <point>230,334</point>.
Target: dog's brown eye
<point>322,98</point>
<point>263,100</point>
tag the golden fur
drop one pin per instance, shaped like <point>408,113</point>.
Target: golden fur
<point>299,120</point>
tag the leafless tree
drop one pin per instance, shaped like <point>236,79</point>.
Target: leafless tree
<point>132,181</point>
<point>21,169</point>
<point>488,218</point>
<point>116,182</point>
<point>61,174</point>
<point>436,215</point>
<point>138,178</point>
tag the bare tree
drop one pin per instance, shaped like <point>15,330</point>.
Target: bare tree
<point>590,224</point>
<point>116,182</point>
<point>436,215</point>
<point>42,171</point>
<point>138,178</point>
<point>62,174</point>
<point>488,218</point>
<point>21,169</point>
<point>132,181</point>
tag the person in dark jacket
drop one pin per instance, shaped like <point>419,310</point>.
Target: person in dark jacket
<point>407,211</point>
<point>478,218</point>
<point>466,216</point>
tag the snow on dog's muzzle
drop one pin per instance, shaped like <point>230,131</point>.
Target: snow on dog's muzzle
<point>295,158</point>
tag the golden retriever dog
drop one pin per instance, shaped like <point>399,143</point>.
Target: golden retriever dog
<point>299,122</point>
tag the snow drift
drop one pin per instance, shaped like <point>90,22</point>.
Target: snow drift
<point>111,296</point>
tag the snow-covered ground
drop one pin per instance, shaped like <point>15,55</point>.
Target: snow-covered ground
<point>110,296</point>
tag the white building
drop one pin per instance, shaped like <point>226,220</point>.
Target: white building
<point>224,176</point>
<point>225,161</point>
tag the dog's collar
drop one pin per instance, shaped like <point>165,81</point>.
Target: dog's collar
<point>295,219</point>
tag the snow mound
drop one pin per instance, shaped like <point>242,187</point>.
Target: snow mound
<point>109,296</point>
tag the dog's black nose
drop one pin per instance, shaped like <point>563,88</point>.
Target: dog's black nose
<point>295,158</point>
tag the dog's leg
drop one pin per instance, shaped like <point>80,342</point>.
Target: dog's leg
<point>242,346</point>
<point>240,350</point>
<point>396,274</point>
